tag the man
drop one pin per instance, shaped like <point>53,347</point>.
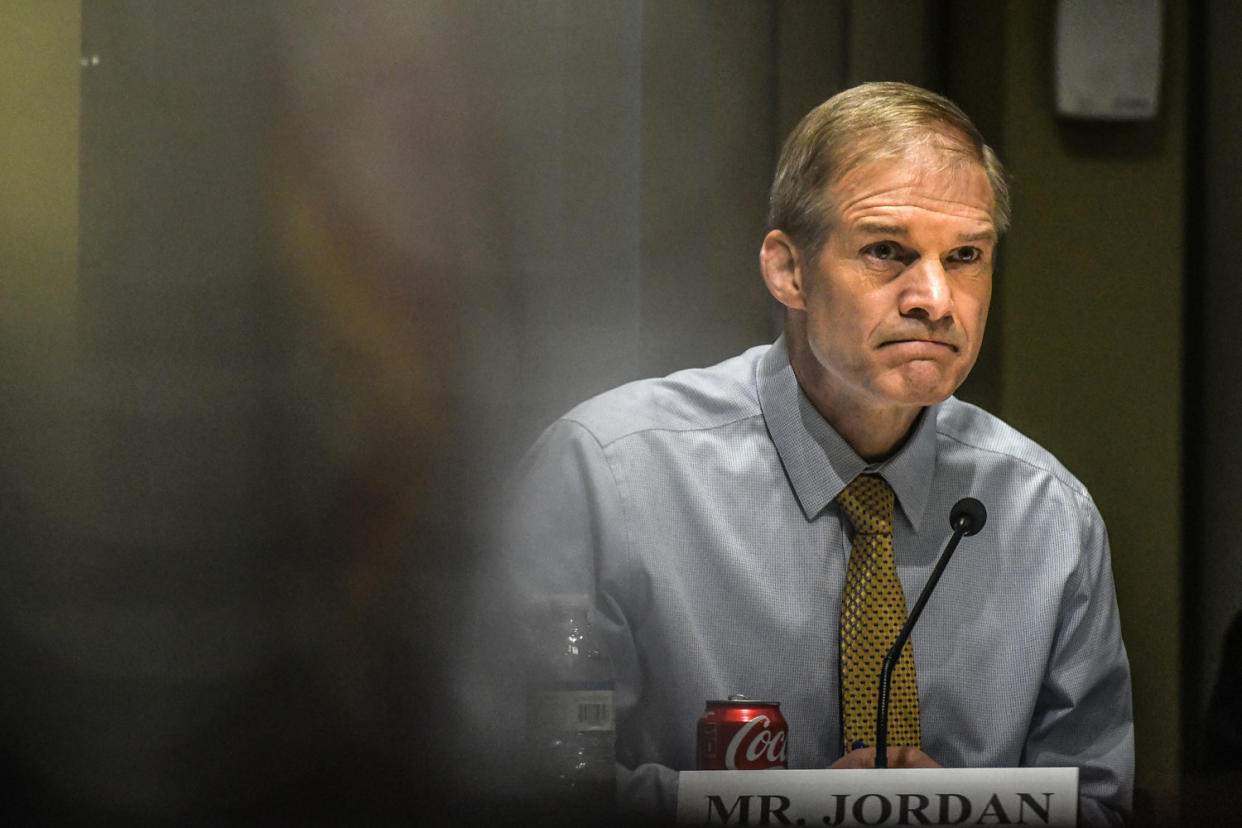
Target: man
<point>710,513</point>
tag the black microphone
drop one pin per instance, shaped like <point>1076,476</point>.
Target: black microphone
<point>966,517</point>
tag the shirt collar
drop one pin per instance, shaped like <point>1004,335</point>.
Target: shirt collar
<point>818,461</point>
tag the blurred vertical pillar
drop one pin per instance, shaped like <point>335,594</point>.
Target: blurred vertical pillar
<point>149,616</point>
<point>155,581</point>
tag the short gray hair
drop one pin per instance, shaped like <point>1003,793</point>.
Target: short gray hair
<point>863,124</point>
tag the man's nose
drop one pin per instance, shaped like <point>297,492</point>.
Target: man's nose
<point>926,292</point>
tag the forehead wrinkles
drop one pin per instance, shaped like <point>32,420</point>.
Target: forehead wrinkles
<point>907,199</point>
<point>961,190</point>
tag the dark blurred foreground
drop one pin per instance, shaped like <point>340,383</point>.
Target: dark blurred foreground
<point>240,506</point>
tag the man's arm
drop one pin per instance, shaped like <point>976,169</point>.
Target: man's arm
<point>1083,716</point>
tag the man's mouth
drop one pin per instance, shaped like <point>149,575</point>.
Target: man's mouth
<point>928,345</point>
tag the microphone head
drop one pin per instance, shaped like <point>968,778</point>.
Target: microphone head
<point>969,515</point>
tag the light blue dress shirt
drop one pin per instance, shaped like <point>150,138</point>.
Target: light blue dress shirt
<point>698,509</point>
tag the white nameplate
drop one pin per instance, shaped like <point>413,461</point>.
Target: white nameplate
<point>894,796</point>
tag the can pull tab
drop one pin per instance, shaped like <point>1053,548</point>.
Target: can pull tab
<point>738,697</point>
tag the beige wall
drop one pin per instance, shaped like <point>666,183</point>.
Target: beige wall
<point>1089,310</point>
<point>39,90</point>
<point>39,98</point>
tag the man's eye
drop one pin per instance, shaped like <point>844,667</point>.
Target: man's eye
<point>968,255</point>
<point>881,250</point>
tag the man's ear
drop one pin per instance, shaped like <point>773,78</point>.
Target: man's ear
<point>781,263</point>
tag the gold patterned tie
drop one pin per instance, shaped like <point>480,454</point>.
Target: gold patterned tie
<point>873,609</point>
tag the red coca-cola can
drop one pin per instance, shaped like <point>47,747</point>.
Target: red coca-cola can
<point>742,734</point>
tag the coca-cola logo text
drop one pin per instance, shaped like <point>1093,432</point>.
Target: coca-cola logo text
<point>756,745</point>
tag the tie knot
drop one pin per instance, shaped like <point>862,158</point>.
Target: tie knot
<point>868,503</point>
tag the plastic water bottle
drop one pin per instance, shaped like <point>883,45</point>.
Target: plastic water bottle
<point>574,715</point>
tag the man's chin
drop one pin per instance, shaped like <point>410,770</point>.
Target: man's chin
<point>919,386</point>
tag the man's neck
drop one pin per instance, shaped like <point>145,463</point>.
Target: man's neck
<point>873,434</point>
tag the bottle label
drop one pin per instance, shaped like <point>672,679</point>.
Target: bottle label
<point>577,707</point>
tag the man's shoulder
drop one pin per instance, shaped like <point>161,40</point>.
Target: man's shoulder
<point>689,400</point>
<point>987,439</point>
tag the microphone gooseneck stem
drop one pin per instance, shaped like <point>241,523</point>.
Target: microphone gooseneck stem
<point>890,660</point>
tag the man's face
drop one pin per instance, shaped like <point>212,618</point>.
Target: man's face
<point>897,300</point>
